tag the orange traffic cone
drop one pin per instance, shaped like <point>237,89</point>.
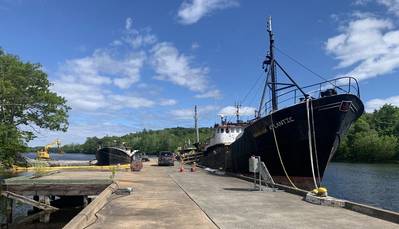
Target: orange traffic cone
<point>193,167</point>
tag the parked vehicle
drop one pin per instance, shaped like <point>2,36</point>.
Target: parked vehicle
<point>166,158</point>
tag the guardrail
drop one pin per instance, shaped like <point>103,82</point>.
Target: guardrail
<point>288,96</point>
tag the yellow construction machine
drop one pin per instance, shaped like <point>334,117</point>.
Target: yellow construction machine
<point>43,154</point>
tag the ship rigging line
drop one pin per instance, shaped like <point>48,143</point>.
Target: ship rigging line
<point>278,152</point>
<point>249,92</point>
<point>304,66</point>
<point>253,86</point>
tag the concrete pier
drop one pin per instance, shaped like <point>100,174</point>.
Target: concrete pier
<point>162,197</point>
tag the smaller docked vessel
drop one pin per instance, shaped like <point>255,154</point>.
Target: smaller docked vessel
<point>217,152</point>
<point>114,155</point>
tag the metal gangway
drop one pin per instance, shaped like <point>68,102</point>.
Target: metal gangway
<point>261,174</point>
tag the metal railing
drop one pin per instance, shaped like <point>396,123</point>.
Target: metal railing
<point>288,96</point>
<point>191,157</point>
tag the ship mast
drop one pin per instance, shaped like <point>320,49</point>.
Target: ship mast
<point>271,61</point>
<point>272,64</point>
<point>237,105</point>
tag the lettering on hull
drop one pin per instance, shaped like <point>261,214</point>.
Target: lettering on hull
<point>261,129</point>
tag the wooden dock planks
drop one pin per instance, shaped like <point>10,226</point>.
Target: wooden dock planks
<point>79,183</point>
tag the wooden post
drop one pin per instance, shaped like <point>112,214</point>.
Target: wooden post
<point>9,209</point>
<point>85,201</point>
<point>45,218</point>
<point>36,198</point>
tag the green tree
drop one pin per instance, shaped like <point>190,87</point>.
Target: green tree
<point>385,120</point>
<point>372,138</point>
<point>370,147</point>
<point>26,104</point>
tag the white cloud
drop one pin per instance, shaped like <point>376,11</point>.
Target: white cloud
<point>124,101</point>
<point>361,2</point>
<point>167,102</point>
<point>137,39</point>
<point>230,110</point>
<point>375,104</point>
<point>195,45</point>
<point>104,68</point>
<point>108,82</point>
<point>89,97</point>
<point>173,66</point>
<point>128,23</point>
<point>370,45</point>
<point>77,133</point>
<point>203,112</point>
<point>391,5</point>
<point>81,96</point>
<point>215,93</point>
<point>192,11</point>
<point>86,82</point>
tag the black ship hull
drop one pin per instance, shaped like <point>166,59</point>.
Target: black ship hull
<point>113,156</point>
<point>332,115</point>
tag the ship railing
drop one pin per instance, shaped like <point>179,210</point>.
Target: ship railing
<point>191,157</point>
<point>287,96</point>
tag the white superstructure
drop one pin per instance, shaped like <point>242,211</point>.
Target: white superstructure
<point>225,134</point>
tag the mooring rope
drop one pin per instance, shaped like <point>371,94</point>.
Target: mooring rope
<point>278,152</point>
<point>314,144</point>
<point>310,142</point>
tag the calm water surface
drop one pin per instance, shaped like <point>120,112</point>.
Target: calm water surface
<point>372,184</point>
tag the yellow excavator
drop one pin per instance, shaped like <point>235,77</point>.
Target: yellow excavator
<point>43,154</point>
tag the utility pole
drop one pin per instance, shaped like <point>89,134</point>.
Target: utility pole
<point>196,123</point>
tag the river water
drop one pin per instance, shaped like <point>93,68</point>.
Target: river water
<point>372,184</point>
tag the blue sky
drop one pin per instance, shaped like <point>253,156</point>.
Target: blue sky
<point>128,65</point>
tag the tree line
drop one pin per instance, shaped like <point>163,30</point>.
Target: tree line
<point>374,137</point>
<point>149,141</point>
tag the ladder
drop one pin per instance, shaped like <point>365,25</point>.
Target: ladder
<point>264,173</point>
<point>257,166</point>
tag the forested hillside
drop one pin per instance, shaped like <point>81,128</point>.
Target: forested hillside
<point>146,140</point>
